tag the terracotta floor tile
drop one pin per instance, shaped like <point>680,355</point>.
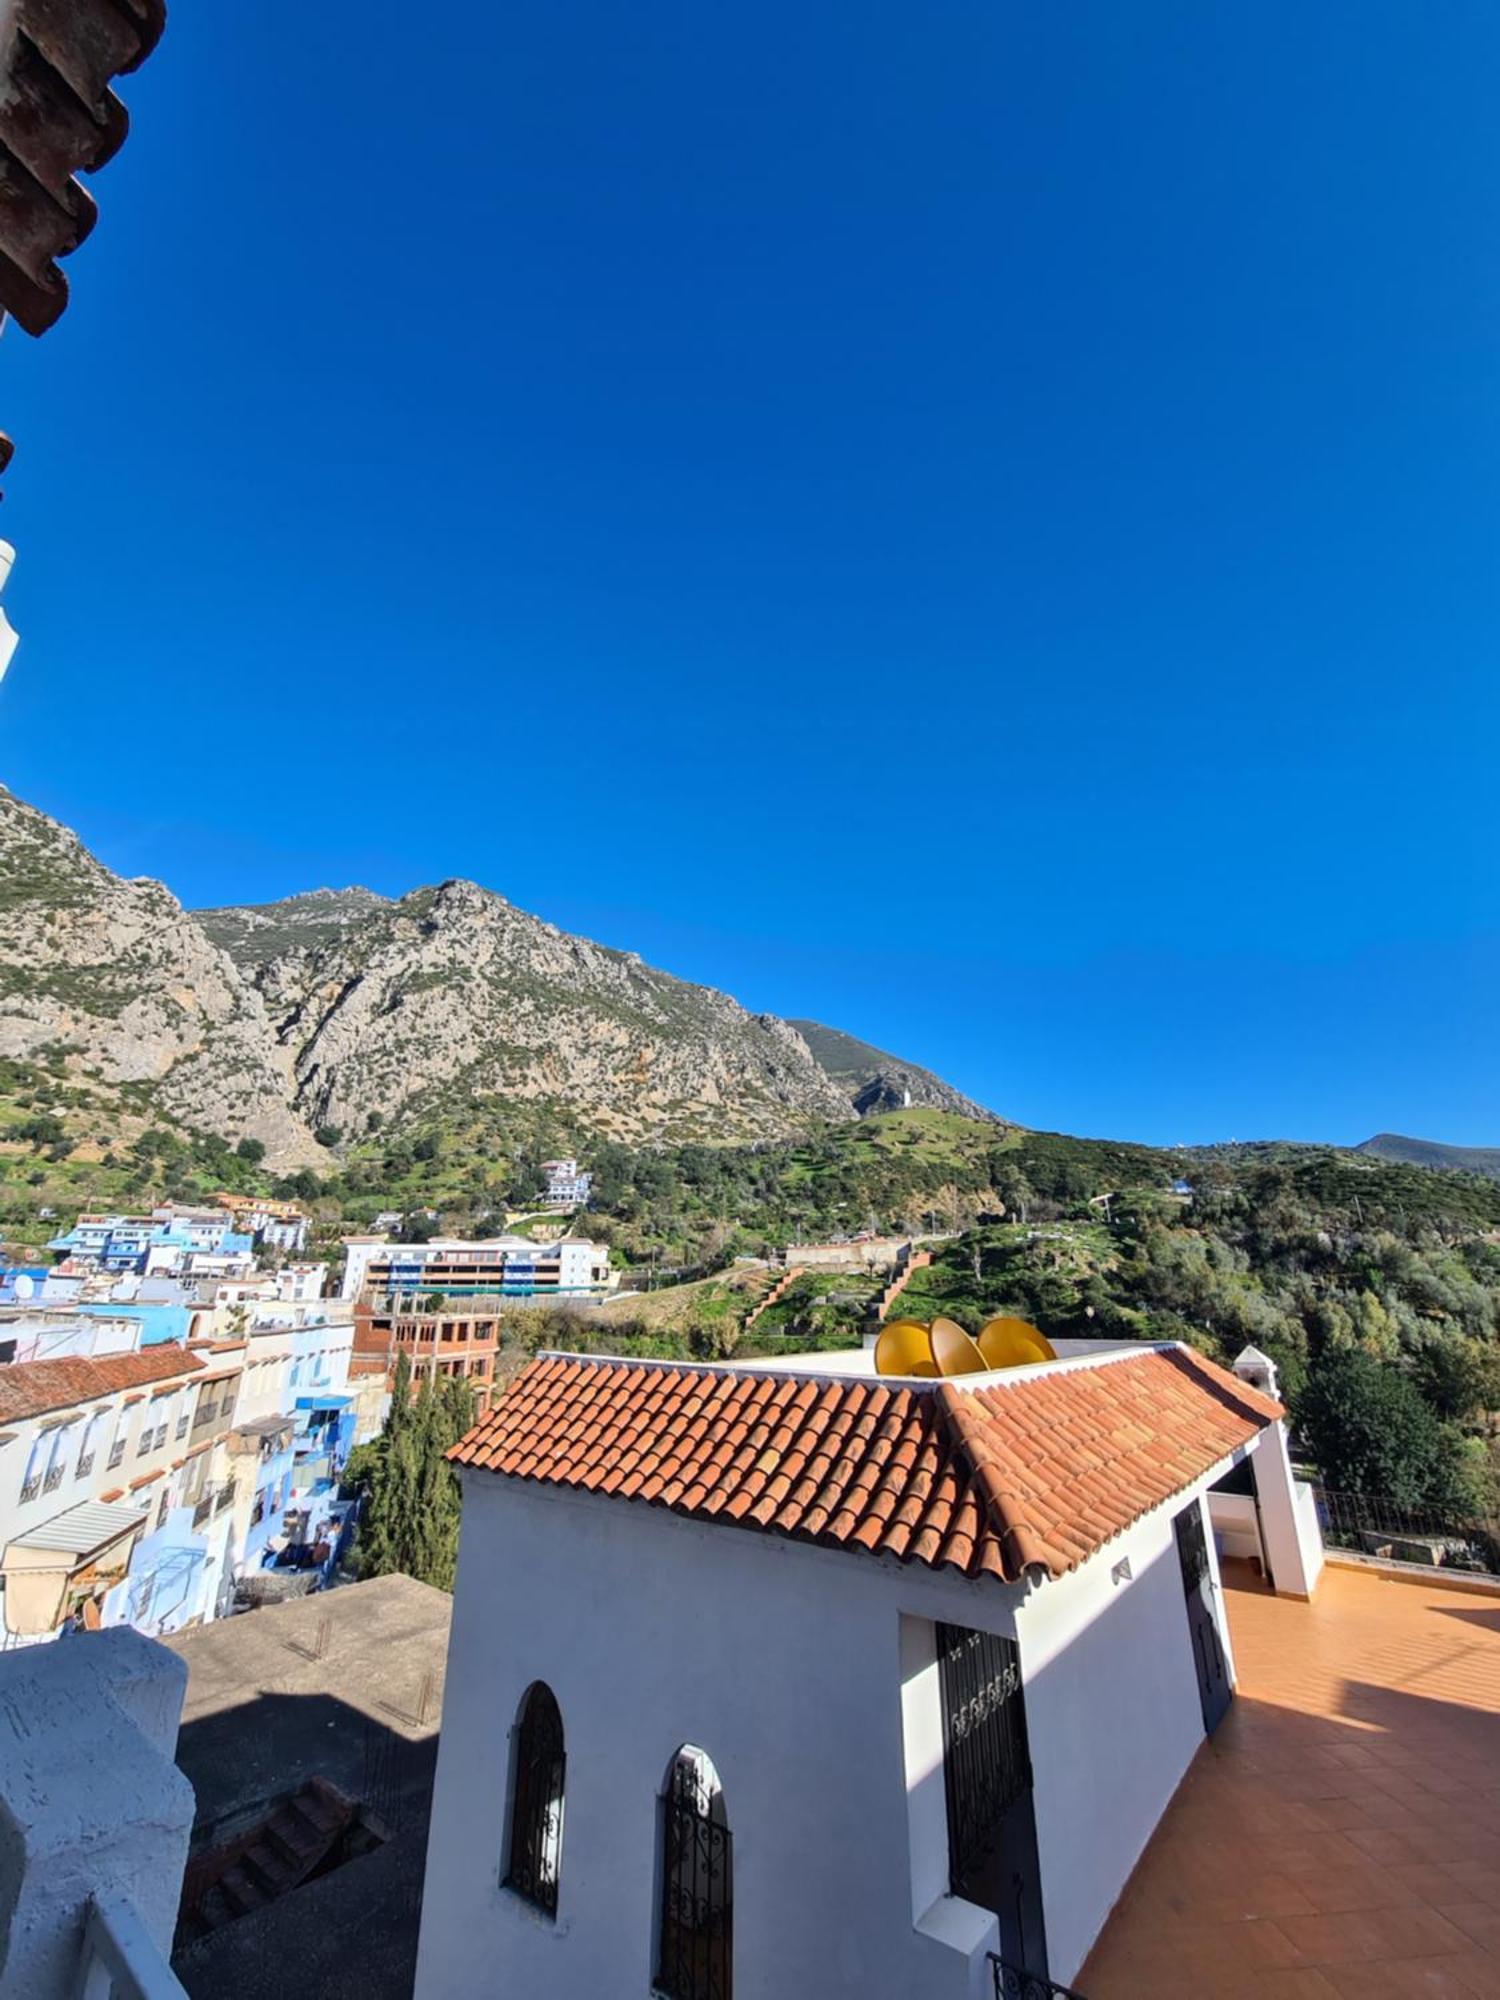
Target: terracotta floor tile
<point>1340,1834</point>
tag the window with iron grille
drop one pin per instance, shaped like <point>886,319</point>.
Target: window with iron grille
<point>534,1865</point>
<point>116,1453</point>
<point>696,1942</point>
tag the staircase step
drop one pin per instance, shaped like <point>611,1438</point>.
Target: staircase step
<point>240,1892</point>
<point>268,1868</point>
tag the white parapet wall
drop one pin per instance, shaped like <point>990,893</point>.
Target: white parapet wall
<point>93,1810</point>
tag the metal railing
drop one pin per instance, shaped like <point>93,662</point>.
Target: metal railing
<point>1374,1525</point>
<point>54,1478</point>
<point>116,1453</point>
<point>1012,1982</point>
<point>31,1488</point>
<point>119,1960</point>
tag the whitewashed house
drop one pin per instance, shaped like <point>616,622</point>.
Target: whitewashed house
<point>786,1680</point>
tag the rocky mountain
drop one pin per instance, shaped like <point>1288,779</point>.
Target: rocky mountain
<point>308,1023</point>
<point>874,1081</point>
<point>255,932</point>
<point>118,976</point>
<point>453,993</point>
<point>1433,1153</point>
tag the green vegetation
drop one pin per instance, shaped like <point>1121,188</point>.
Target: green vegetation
<point>409,1522</point>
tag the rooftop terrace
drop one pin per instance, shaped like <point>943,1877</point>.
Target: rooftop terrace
<point>1340,1835</point>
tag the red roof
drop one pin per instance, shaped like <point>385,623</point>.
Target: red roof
<point>30,1388</point>
<point>59,117</point>
<point>1034,1470</point>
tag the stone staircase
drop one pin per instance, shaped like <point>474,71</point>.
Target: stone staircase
<point>778,1291</point>
<point>299,1837</point>
<point>912,1261</point>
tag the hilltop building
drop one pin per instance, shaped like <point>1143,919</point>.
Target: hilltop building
<point>505,1266</point>
<point>567,1186</point>
<point>938,1654</point>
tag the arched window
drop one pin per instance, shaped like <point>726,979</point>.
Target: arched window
<point>696,1948</point>
<point>536,1814</point>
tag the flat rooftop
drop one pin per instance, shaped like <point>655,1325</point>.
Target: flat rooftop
<point>1338,1838</point>
<point>347,1685</point>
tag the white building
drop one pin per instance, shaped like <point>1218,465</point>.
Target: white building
<point>567,1185</point>
<point>113,1474</point>
<point>507,1266</point>
<point>854,1681</point>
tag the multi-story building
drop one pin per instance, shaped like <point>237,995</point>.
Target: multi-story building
<point>460,1343</point>
<point>274,1225</point>
<point>505,1266</point>
<point>170,1242</point>
<point>112,1474</point>
<point>567,1186</point>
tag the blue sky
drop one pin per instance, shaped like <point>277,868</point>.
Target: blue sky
<point>976,524</point>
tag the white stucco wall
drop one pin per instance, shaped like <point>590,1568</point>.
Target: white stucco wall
<point>802,1672</point>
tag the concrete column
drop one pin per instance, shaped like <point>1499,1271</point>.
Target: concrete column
<point>91,1804</point>
<point>1288,1516</point>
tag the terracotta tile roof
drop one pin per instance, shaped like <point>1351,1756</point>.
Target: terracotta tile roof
<point>1030,1470</point>
<point>31,1388</point>
<point>58,118</point>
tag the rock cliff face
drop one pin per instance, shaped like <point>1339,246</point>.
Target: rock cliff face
<point>874,1081</point>
<point>121,977</point>
<point>453,990</point>
<point>342,1009</point>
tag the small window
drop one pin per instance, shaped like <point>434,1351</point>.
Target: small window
<point>696,1941</point>
<point>536,1814</point>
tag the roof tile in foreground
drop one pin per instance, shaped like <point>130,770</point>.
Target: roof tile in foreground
<point>1034,1471</point>
<point>58,118</point>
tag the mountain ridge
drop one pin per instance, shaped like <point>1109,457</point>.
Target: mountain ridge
<point>305,1023</point>
<point>1434,1153</point>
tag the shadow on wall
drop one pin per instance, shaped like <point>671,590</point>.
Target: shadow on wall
<point>349,1933</point>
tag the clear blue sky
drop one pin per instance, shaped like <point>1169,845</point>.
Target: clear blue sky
<point>975,523</point>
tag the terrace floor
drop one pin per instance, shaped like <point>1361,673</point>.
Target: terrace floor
<point>1339,1835</point>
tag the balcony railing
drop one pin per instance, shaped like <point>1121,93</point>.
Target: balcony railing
<point>84,1466</point>
<point>54,1478</point>
<point>31,1488</point>
<point>116,1453</point>
<point>1012,1982</point>
<point>119,1960</point>
<point>1373,1525</point>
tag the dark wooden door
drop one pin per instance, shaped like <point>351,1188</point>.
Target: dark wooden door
<point>992,1855</point>
<point>1215,1690</point>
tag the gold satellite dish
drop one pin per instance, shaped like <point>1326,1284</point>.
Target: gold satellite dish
<point>953,1350</point>
<point>904,1348</point>
<point>1013,1343</point>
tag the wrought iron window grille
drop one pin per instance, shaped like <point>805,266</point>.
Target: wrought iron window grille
<point>1013,1982</point>
<point>534,1868</point>
<point>697,1914</point>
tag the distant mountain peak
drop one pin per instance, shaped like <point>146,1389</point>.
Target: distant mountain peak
<point>1434,1153</point>
<point>876,1081</point>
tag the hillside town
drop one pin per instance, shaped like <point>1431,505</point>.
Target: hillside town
<point>180,1395</point>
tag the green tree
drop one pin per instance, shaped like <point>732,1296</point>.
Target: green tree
<point>411,1513</point>
<point>1370,1432</point>
<point>252,1151</point>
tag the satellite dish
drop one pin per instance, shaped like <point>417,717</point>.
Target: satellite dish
<point>1013,1343</point>
<point>25,1283</point>
<point>904,1348</point>
<point>954,1352</point>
